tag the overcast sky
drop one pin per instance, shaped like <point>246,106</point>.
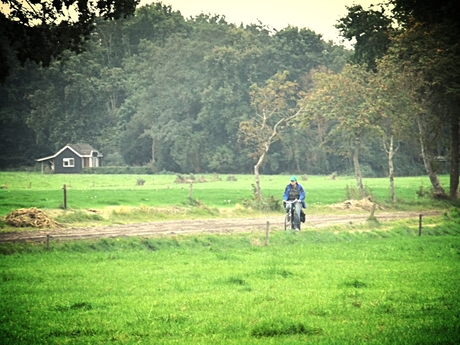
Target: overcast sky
<point>317,15</point>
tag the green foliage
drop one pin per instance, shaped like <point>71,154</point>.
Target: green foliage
<point>114,159</point>
<point>352,193</point>
<point>47,41</point>
<point>424,50</point>
<point>423,192</point>
<point>371,29</point>
<point>187,120</point>
<point>266,204</point>
<point>297,50</point>
<point>203,68</point>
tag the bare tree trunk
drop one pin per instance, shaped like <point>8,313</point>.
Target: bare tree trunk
<point>454,153</point>
<point>391,152</point>
<point>264,150</point>
<point>356,166</point>
<point>438,191</point>
<point>272,111</point>
<point>257,177</point>
<point>153,153</point>
<point>151,134</point>
<point>392,179</point>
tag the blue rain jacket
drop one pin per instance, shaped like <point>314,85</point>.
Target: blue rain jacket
<point>301,193</point>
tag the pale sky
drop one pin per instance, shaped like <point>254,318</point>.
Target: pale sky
<point>317,15</point>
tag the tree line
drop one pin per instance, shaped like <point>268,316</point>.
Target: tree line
<point>199,94</point>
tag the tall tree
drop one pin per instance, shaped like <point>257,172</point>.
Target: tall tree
<point>41,31</point>
<point>345,100</point>
<point>157,88</point>
<point>117,42</point>
<point>275,106</point>
<point>17,141</point>
<point>69,103</point>
<point>154,22</point>
<point>399,109</point>
<point>297,51</point>
<point>226,99</point>
<point>166,85</point>
<point>430,43</point>
<point>371,31</point>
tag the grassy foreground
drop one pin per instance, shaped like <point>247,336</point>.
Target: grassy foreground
<point>370,284</point>
<point>328,287</point>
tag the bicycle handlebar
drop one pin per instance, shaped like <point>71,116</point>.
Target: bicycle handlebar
<point>291,201</point>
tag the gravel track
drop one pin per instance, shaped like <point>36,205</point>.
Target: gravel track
<point>209,226</point>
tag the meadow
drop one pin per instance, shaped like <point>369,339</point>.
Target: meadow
<point>314,287</point>
<point>121,199</point>
<point>367,284</point>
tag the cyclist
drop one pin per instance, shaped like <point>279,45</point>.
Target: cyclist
<point>294,191</point>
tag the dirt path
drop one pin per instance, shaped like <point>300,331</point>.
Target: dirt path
<point>209,226</point>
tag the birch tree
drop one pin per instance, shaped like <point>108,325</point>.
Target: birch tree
<point>395,101</point>
<point>275,106</point>
<point>344,100</point>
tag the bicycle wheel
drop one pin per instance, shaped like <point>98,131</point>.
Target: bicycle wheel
<point>292,218</point>
<point>287,221</point>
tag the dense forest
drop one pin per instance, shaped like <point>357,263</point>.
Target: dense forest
<point>200,94</point>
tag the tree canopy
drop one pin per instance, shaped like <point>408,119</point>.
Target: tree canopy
<point>175,94</point>
<point>41,31</point>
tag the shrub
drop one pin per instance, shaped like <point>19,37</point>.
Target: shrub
<point>117,170</point>
<point>352,193</point>
<point>268,204</point>
<point>422,192</point>
<point>114,159</point>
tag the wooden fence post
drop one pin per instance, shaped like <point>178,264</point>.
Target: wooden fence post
<point>267,233</point>
<point>65,196</point>
<point>420,225</point>
<point>372,217</point>
<point>47,242</point>
<point>190,193</point>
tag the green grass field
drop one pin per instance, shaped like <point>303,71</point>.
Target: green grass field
<point>366,284</point>
<point>117,193</point>
<point>328,287</point>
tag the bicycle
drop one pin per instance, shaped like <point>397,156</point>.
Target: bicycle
<point>289,218</point>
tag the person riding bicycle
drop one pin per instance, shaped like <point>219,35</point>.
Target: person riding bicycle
<point>294,191</point>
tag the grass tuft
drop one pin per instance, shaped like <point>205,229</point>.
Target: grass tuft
<point>279,328</point>
<point>74,306</point>
<point>78,216</point>
<point>355,283</point>
<point>236,281</point>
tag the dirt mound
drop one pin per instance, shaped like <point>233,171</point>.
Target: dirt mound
<point>30,217</point>
<point>363,204</point>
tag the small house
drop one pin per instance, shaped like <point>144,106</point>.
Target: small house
<point>73,158</point>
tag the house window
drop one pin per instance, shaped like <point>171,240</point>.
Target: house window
<point>68,162</point>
